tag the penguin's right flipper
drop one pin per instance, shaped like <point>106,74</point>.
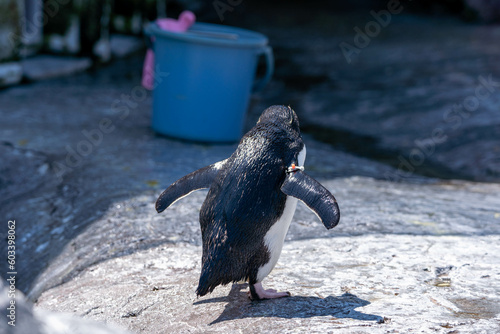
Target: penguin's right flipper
<point>301,186</point>
<point>199,179</point>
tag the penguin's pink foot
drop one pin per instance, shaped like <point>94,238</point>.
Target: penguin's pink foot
<point>257,292</point>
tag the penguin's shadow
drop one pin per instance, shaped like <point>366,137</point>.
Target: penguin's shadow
<point>239,306</point>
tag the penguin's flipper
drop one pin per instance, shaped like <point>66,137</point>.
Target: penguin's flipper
<point>301,186</point>
<point>199,179</point>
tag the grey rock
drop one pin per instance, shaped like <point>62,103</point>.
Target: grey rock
<point>396,244</point>
<point>367,207</point>
<point>21,318</point>
<point>10,73</point>
<point>46,67</point>
<point>17,313</point>
<point>369,284</point>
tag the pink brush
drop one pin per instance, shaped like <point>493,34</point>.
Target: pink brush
<point>186,20</point>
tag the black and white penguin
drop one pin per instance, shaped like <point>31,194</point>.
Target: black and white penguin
<point>251,201</point>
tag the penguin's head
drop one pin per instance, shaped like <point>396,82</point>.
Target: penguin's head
<point>282,116</point>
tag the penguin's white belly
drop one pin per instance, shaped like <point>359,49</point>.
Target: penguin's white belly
<point>275,237</point>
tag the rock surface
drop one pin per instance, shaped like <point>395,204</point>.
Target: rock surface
<point>360,284</point>
<point>81,170</point>
<point>403,260</point>
<point>26,320</point>
<point>46,66</point>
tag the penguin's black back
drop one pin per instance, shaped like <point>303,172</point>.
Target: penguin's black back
<point>244,201</point>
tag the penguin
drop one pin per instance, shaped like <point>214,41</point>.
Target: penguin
<point>250,203</point>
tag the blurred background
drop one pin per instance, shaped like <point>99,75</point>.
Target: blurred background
<point>86,27</point>
<point>398,88</point>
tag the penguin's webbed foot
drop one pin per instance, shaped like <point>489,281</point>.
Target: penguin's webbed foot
<point>257,292</point>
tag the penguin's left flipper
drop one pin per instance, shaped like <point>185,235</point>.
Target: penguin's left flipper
<point>199,179</point>
<point>301,186</point>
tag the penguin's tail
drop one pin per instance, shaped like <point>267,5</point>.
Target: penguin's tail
<point>202,290</point>
<point>204,286</point>
<point>210,278</point>
<point>208,282</point>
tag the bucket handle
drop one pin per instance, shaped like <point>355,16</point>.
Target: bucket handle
<point>267,51</point>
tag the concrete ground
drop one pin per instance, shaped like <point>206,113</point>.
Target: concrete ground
<point>417,248</point>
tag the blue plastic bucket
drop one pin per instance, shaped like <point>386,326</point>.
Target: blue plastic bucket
<point>211,74</point>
